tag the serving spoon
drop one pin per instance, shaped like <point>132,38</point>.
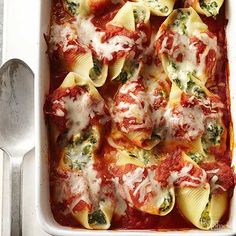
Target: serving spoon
<point>16,127</point>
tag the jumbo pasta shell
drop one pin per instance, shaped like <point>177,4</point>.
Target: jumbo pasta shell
<point>116,68</point>
<point>161,7</point>
<point>208,8</point>
<point>162,204</point>
<point>82,64</point>
<point>101,79</point>
<point>125,17</point>
<point>192,202</point>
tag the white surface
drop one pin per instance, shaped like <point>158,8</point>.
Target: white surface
<point>20,40</point>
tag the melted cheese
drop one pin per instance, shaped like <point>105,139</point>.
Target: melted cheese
<point>60,35</point>
<point>133,177</point>
<point>189,64</point>
<point>215,186</point>
<point>80,186</point>
<point>74,185</point>
<point>184,172</point>
<point>191,120</point>
<point>121,205</point>
<point>79,111</point>
<point>136,182</point>
<point>139,109</point>
<point>94,182</point>
<point>90,36</point>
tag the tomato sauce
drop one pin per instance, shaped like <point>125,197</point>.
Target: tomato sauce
<point>134,219</point>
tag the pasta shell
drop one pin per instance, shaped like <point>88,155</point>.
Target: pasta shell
<point>102,216</point>
<point>162,204</point>
<point>192,202</point>
<point>208,8</point>
<point>141,12</point>
<point>82,64</point>
<point>161,7</point>
<point>136,156</point>
<point>175,95</point>
<point>218,206</point>
<point>84,8</point>
<point>194,23</point>
<point>200,207</point>
<point>142,139</point>
<point>116,68</point>
<point>124,158</point>
<point>100,80</point>
<point>73,79</point>
<point>196,152</point>
<point>125,17</point>
<point>186,24</point>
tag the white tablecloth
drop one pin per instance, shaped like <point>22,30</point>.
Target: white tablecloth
<point>20,40</point>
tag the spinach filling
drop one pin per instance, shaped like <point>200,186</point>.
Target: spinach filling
<point>97,218</point>
<point>79,151</point>
<point>143,155</point>
<point>127,72</point>
<point>196,156</point>
<point>178,82</point>
<point>181,20</point>
<point>205,219</point>
<point>212,135</point>
<point>96,71</point>
<point>210,7</point>
<point>73,7</point>
<point>195,89</point>
<point>164,9</point>
<point>167,203</point>
<point>139,15</point>
<point>156,5</point>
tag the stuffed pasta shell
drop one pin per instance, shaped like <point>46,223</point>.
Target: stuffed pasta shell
<point>132,115</point>
<point>134,172</point>
<point>160,7</point>
<point>204,206</point>
<point>133,17</point>
<point>86,7</point>
<point>186,48</point>
<point>84,196</point>
<point>206,7</point>
<point>75,106</point>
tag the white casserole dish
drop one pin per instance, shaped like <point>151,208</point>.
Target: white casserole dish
<point>42,184</point>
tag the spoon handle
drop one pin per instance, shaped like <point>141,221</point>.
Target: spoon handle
<point>16,190</point>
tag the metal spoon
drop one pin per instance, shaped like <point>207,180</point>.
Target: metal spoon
<point>16,127</point>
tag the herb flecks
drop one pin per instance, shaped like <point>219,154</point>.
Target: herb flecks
<point>167,203</point>
<point>210,7</point>
<point>181,20</point>
<point>97,218</point>
<point>96,71</point>
<point>127,72</point>
<point>73,7</point>
<point>205,219</point>
<point>196,156</point>
<point>139,15</point>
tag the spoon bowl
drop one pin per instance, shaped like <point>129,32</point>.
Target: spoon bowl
<point>16,127</point>
<point>16,108</point>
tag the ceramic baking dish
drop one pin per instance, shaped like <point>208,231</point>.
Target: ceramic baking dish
<point>42,184</point>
